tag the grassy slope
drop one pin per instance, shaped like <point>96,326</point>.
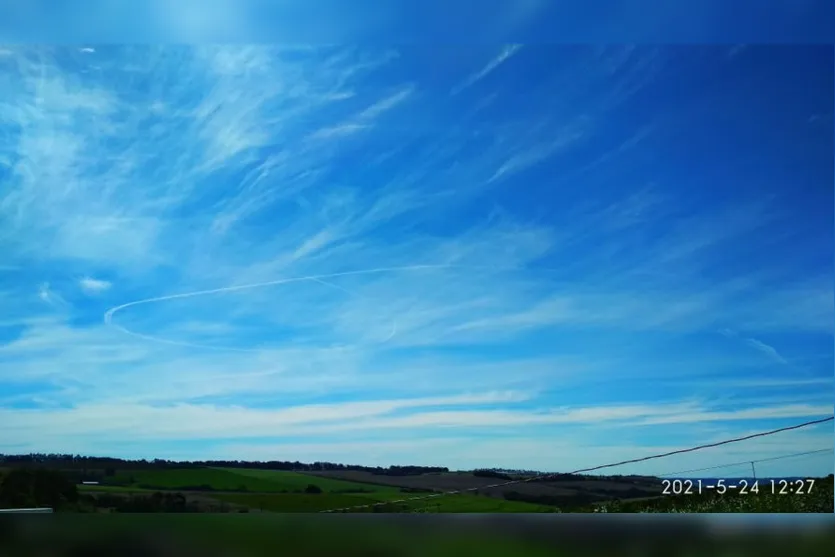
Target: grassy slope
<point>112,489</point>
<point>477,504</point>
<point>265,487</point>
<point>291,502</point>
<point>182,478</point>
<point>233,479</point>
<point>271,483</point>
<point>293,480</point>
<point>569,491</point>
<point>296,502</point>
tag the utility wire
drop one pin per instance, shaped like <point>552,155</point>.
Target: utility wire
<point>602,466</point>
<point>745,462</point>
<point>700,447</point>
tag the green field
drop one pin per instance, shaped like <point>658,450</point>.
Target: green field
<point>292,481</point>
<point>478,504</point>
<point>191,478</point>
<point>300,502</point>
<point>233,479</point>
<point>386,495</point>
<point>291,502</point>
<point>282,491</point>
<point>112,489</point>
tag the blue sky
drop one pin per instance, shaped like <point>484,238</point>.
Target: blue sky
<point>424,22</point>
<point>542,257</point>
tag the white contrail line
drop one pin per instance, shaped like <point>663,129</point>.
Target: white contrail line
<point>108,315</point>
<point>335,286</point>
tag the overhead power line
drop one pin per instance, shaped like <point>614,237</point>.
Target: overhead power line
<point>707,446</point>
<point>746,462</point>
<point>581,470</point>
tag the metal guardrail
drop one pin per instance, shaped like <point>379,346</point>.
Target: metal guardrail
<point>27,511</point>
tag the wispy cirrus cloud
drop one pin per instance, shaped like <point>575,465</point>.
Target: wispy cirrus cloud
<point>507,52</point>
<point>252,241</point>
<point>769,351</point>
<point>50,296</point>
<point>364,119</point>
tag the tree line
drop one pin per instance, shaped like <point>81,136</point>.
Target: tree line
<point>79,462</point>
<point>24,488</point>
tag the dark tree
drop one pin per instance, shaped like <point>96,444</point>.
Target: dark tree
<point>37,487</point>
<point>312,488</point>
<point>491,474</point>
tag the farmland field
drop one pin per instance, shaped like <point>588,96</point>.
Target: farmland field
<point>283,491</point>
<point>291,502</point>
<point>233,479</point>
<point>280,491</point>
<point>452,481</point>
<point>290,481</point>
<point>112,489</point>
<point>300,502</point>
<point>191,478</point>
<point>477,504</point>
<point>208,489</point>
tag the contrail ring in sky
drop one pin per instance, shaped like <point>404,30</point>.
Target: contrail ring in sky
<point>108,315</point>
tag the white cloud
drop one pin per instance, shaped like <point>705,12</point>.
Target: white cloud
<point>505,54</point>
<point>337,131</point>
<point>567,136</point>
<point>364,120</point>
<point>50,296</point>
<point>787,382</point>
<point>424,434</point>
<point>769,351</point>
<point>385,104</point>
<point>43,292</point>
<point>92,286</point>
<point>786,411</point>
<point>203,421</point>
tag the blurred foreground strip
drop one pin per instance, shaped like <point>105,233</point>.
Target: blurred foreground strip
<point>163,535</point>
